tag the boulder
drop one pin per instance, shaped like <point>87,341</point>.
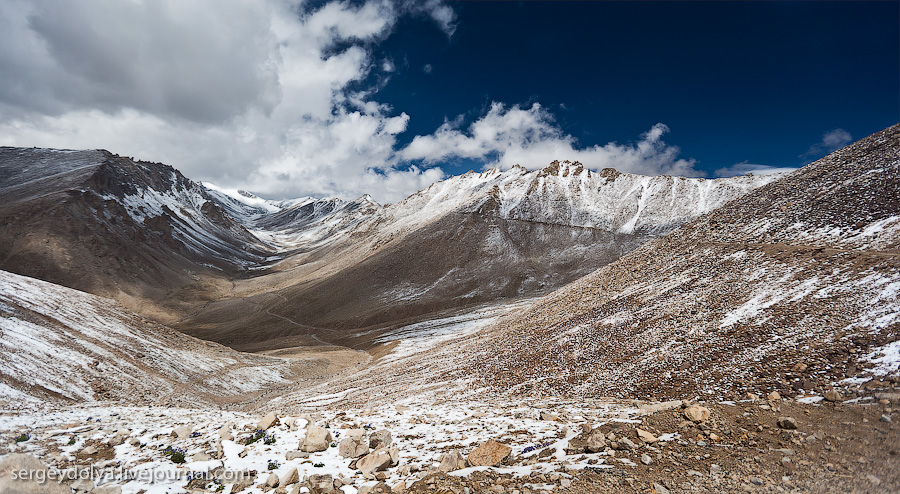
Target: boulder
<point>380,438</point>
<point>373,462</point>
<point>12,483</point>
<point>267,422</point>
<point>696,413</point>
<point>317,439</point>
<point>295,455</point>
<point>489,454</point>
<point>353,447</point>
<point>451,461</point>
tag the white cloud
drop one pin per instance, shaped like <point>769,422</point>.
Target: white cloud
<point>530,137</point>
<point>427,68</point>
<point>242,94</point>
<point>745,168</point>
<point>831,141</point>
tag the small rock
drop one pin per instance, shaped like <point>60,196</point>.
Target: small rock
<point>295,455</point>
<point>317,439</point>
<point>380,438</point>
<point>626,444</point>
<point>658,489</point>
<point>646,437</point>
<point>774,396</point>
<point>452,461</point>
<point>373,462</point>
<point>353,447</point>
<point>291,477</point>
<point>715,470</point>
<point>645,459</point>
<point>272,480</point>
<point>90,450</point>
<point>201,457</point>
<point>756,481</point>
<point>267,422</point>
<point>833,395</point>
<point>489,454</point>
<point>183,432</point>
<point>549,416</point>
<point>321,484</point>
<point>885,418</point>
<point>787,423</point>
<point>696,413</point>
<point>873,479</point>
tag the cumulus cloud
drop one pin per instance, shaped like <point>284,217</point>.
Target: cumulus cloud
<point>831,141</point>
<point>244,94</point>
<point>744,168</point>
<point>530,137</point>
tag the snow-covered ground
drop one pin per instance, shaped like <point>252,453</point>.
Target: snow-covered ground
<point>422,431</point>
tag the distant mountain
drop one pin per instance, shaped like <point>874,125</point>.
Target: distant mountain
<point>791,287</point>
<point>471,239</point>
<point>95,221</point>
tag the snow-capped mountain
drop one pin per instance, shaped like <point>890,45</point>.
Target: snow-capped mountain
<point>210,257</point>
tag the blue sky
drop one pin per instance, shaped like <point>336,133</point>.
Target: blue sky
<point>291,97</point>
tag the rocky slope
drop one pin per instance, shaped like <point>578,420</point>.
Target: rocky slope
<point>792,287</point>
<point>63,345</point>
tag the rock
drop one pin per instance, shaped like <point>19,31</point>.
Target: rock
<point>658,489</point>
<point>873,479</point>
<point>245,481</point>
<point>295,455</point>
<point>489,454</point>
<point>373,462</point>
<point>646,437</point>
<point>134,442</point>
<point>90,450</point>
<point>714,437</point>
<point>320,484</point>
<point>272,480</point>
<point>353,447</point>
<point>650,408</point>
<point>774,396</point>
<point>788,465</point>
<point>317,439</point>
<point>82,486</point>
<point>787,423</point>
<point>267,422</point>
<point>379,488</point>
<point>549,416</point>
<point>201,457</point>
<point>395,456</point>
<point>116,440</point>
<point>564,483</point>
<point>756,481</point>
<point>291,477</point>
<point>17,462</point>
<point>800,367</point>
<point>225,433</point>
<point>380,438</point>
<point>752,397</point>
<point>833,395</point>
<point>645,459</point>
<point>108,489</point>
<point>183,432</point>
<point>587,442</point>
<point>885,418</point>
<point>626,444</point>
<point>715,470</point>
<point>696,413</point>
<point>451,461</point>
